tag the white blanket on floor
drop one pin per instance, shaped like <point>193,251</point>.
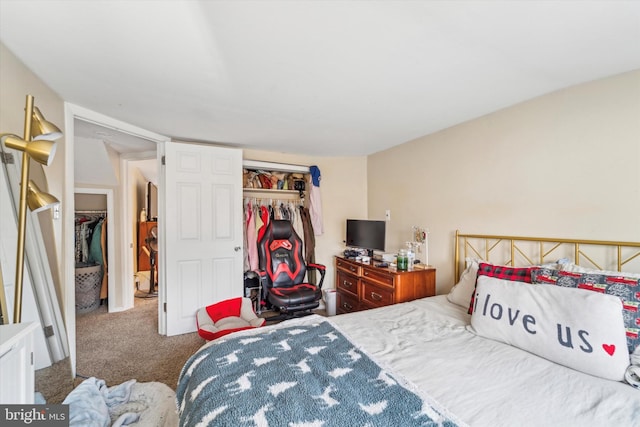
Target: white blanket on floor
<point>92,403</point>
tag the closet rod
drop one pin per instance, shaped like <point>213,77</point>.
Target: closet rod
<point>268,200</point>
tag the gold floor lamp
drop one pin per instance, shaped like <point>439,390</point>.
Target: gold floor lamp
<point>38,145</point>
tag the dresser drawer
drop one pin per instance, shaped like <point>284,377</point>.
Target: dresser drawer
<point>379,277</point>
<point>346,303</point>
<point>347,283</point>
<point>376,296</point>
<point>347,266</point>
<point>361,286</point>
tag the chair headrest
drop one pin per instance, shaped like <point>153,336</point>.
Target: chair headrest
<point>281,229</point>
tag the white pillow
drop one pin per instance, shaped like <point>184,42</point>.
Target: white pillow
<point>461,293</point>
<point>580,329</point>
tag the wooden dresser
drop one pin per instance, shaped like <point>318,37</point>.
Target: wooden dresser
<point>362,286</point>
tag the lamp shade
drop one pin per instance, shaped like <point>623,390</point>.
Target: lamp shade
<point>42,151</point>
<point>42,129</point>
<point>39,200</point>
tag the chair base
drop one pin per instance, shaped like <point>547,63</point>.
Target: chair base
<point>288,315</point>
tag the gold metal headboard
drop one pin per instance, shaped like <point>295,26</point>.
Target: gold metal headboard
<point>600,254</point>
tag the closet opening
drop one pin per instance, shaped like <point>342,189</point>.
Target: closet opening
<point>93,249</point>
<point>92,246</point>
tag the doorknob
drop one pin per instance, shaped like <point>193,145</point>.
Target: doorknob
<point>237,248</point>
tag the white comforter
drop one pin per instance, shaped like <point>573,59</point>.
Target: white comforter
<point>484,382</point>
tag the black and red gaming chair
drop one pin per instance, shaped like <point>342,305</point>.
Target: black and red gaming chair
<point>282,271</point>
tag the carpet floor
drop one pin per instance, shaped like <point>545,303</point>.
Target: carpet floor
<point>117,347</point>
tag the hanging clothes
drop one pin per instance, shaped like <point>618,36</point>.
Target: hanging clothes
<point>95,248</point>
<point>309,243</point>
<point>245,252</point>
<point>297,223</point>
<point>104,289</point>
<point>315,201</point>
<point>91,244</point>
<point>252,242</point>
<point>265,215</point>
<point>85,236</point>
<point>85,226</point>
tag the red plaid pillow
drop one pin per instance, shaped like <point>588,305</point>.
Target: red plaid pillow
<point>515,274</point>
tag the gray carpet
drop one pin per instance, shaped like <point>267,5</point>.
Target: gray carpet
<point>117,347</point>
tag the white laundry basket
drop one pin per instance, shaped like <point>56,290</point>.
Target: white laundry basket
<point>330,301</point>
<point>88,285</point>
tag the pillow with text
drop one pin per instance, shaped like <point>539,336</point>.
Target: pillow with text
<point>622,285</point>
<point>572,327</point>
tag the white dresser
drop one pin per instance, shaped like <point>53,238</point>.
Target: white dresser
<point>16,363</point>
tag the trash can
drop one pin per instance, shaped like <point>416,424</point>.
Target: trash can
<point>330,301</point>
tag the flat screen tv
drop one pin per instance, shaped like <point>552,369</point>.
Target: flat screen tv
<point>366,234</point>
<point>152,202</point>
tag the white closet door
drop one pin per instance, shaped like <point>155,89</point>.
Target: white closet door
<point>202,228</point>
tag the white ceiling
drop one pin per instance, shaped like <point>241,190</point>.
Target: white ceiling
<point>120,141</point>
<point>315,77</point>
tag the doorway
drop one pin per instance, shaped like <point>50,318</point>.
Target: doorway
<point>142,181</point>
<point>118,142</point>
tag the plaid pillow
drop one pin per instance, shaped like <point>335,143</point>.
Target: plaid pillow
<point>515,274</point>
<point>625,288</point>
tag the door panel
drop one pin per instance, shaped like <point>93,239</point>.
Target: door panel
<point>203,228</point>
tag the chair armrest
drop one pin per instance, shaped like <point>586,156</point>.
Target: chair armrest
<point>322,269</point>
<point>316,266</point>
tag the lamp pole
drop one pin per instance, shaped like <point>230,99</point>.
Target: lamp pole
<point>22,214</point>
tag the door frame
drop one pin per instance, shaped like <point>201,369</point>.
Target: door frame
<point>71,113</point>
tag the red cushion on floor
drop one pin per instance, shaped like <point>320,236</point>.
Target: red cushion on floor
<point>226,308</point>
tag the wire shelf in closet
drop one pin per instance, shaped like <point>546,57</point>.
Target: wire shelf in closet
<point>270,191</point>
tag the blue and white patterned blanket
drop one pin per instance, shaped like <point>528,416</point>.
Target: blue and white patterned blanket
<point>300,375</point>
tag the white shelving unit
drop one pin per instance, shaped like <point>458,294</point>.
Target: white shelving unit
<point>16,363</point>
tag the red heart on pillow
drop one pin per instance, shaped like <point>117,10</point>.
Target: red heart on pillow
<point>610,349</point>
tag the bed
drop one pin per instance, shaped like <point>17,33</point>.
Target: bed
<point>430,362</point>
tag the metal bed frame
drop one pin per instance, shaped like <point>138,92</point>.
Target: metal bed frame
<point>518,250</point>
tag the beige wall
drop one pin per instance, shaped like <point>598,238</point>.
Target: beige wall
<point>561,165</point>
<point>90,202</point>
<point>343,189</point>
<point>16,82</point>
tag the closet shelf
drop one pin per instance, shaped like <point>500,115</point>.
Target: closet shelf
<point>269,190</point>
<point>271,166</point>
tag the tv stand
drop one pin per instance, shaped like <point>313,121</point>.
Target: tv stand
<point>361,286</point>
